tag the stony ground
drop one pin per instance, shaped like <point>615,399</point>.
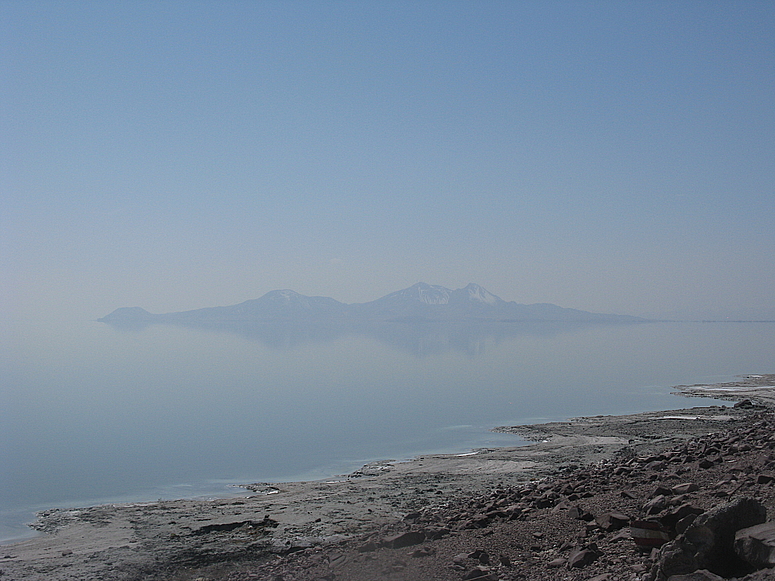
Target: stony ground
<point>557,509</point>
<point>559,528</point>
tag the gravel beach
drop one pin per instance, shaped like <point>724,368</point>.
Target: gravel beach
<point>524,512</point>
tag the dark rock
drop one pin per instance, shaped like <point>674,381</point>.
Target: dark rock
<point>708,542</point>
<point>367,547</point>
<point>763,575</point>
<point>671,519</point>
<point>648,534</point>
<point>556,563</point>
<point>404,540</point>
<point>480,574</point>
<point>678,500</point>
<point>612,521</point>
<point>655,505</point>
<point>230,526</point>
<point>482,556</point>
<point>434,533</point>
<point>478,521</point>
<point>699,575</point>
<point>513,511</point>
<point>756,545</point>
<point>545,501</point>
<point>709,462</point>
<point>583,556</point>
<point>685,488</point>
<point>683,524</point>
<point>337,560</point>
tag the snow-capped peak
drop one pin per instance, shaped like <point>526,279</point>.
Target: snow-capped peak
<point>480,294</point>
<point>432,294</point>
<point>286,295</point>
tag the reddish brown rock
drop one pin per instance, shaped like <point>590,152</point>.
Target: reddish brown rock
<point>648,534</point>
<point>612,521</point>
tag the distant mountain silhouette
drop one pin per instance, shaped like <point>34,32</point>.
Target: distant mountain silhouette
<point>420,303</point>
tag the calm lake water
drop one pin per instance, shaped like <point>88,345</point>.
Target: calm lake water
<point>90,413</point>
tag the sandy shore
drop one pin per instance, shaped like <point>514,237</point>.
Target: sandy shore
<point>136,541</point>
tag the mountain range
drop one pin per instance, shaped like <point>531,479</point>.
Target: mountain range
<point>417,304</point>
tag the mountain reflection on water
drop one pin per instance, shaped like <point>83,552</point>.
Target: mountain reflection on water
<point>420,338</point>
<point>95,412</point>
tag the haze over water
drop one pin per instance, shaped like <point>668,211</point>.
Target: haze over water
<point>93,413</point>
<point>607,156</point>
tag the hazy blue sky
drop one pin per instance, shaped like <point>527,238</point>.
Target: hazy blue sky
<point>608,156</point>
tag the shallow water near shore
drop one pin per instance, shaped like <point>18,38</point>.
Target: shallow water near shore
<point>91,413</point>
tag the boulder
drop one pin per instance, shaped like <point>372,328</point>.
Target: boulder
<point>761,575</point>
<point>708,542</point>
<point>756,545</point>
<point>648,534</point>
<point>671,519</point>
<point>684,523</point>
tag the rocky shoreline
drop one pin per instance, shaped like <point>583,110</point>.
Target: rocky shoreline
<point>564,507</point>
